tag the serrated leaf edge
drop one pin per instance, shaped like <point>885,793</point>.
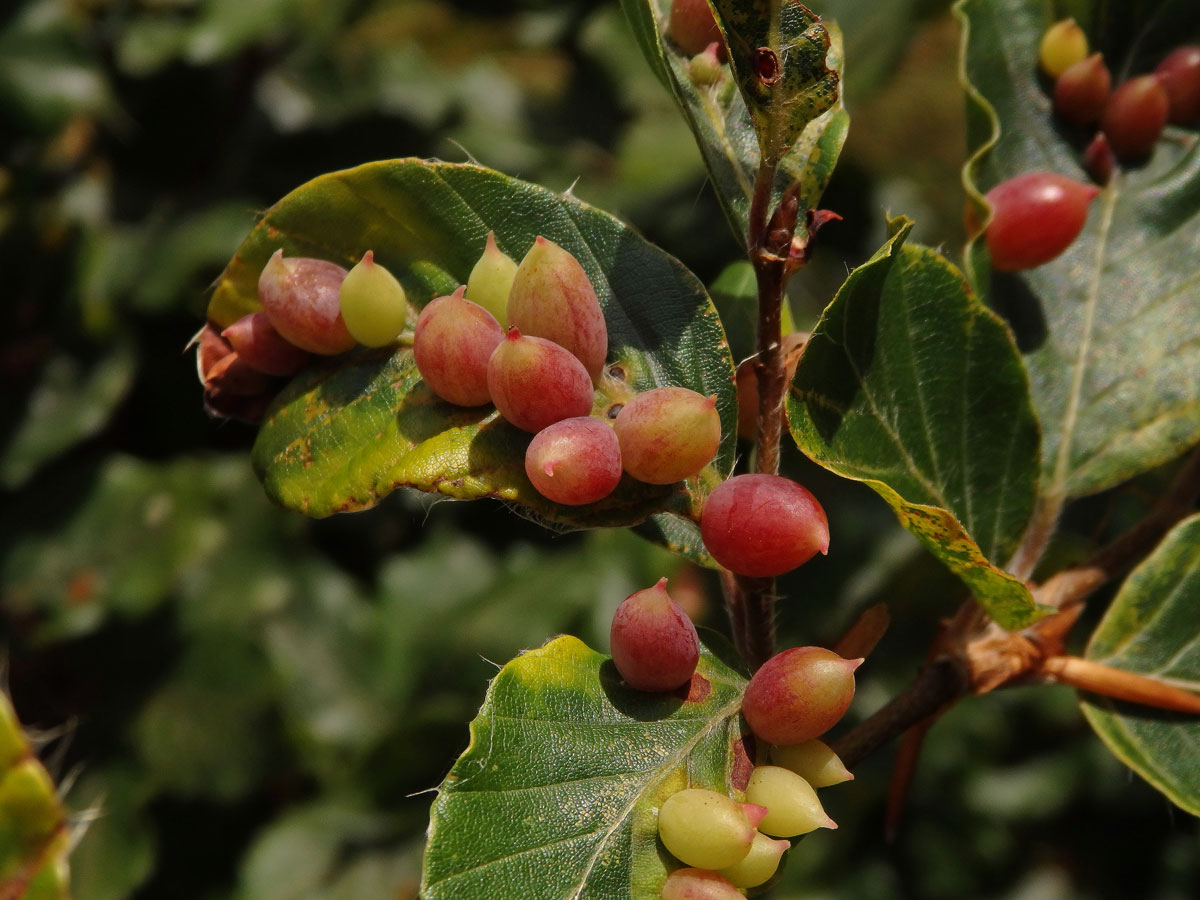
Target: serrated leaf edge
<point>720,718</point>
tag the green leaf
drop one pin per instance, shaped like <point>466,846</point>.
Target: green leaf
<point>1110,329</point>
<point>1153,628</point>
<point>69,405</point>
<point>47,74</point>
<point>777,53</point>
<point>912,386</point>
<point>33,825</point>
<point>134,534</point>
<point>679,535</point>
<point>351,429</point>
<point>725,132</point>
<point>115,853</point>
<point>300,855</point>
<point>182,733</point>
<point>574,764</point>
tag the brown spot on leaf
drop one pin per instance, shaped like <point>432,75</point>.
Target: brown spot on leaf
<point>743,762</point>
<point>698,689</point>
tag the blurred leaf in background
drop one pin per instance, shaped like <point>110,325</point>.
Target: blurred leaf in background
<point>253,697</point>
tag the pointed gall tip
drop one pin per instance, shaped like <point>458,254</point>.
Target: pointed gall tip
<point>754,813</point>
<point>514,333</point>
<point>276,264</point>
<point>459,292</point>
<point>490,246</point>
<point>548,468</point>
<point>828,823</point>
<point>711,401</point>
<point>661,583</point>
<point>1099,159</point>
<point>779,847</point>
<point>853,664</point>
<point>275,273</point>
<point>368,258</point>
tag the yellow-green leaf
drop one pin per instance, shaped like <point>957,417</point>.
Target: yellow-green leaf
<point>33,825</point>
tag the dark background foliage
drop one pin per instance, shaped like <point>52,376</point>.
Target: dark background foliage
<point>246,704</point>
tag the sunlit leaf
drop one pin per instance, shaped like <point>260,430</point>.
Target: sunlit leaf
<point>576,764</point>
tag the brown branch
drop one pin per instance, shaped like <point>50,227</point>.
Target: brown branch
<point>751,601</point>
<point>974,656</point>
<point>757,597</point>
<point>735,606</point>
<point>935,687</point>
<point>1120,684</point>
<point>769,244</point>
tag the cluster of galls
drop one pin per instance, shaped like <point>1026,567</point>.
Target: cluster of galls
<point>310,307</point>
<point>729,844</point>
<point>541,375</point>
<point>1130,118</point>
<point>1037,215</point>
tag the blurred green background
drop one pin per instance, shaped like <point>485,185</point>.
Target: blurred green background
<point>245,704</point>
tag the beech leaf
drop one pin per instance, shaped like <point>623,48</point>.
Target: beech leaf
<point>1153,628</point>
<point>575,764</point>
<point>1111,328</point>
<point>350,429</point>
<point>911,385</point>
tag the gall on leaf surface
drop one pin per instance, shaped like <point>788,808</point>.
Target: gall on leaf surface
<point>910,385</point>
<point>556,794</point>
<point>349,430</point>
<point>1153,628</point>
<point>33,825</point>
<point>1110,330</point>
<point>722,123</point>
